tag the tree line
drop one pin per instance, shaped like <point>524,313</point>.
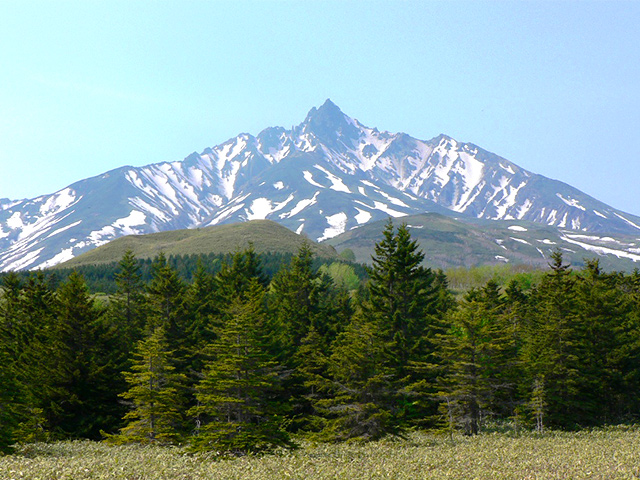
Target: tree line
<point>238,361</point>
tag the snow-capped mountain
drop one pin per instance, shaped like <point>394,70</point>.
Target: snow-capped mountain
<point>325,176</point>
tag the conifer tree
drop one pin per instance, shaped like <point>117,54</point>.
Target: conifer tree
<point>202,310</point>
<point>307,311</point>
<point>552,347</point>
<point>166,296</point>
<point>10,398</point>
<point>473,354</point>
<point>83,380</point>
<point>128,306</point>
<point>405,302</point>
<point>238,405</point>
<point>602,313</point>
<point>154,395</point>
<point>35,360</point>
<point>362,400</point>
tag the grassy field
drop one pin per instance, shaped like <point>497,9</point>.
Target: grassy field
<point>602,454</point>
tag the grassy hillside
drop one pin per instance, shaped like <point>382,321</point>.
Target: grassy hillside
<point>266,236</point>
<point>453,243</point>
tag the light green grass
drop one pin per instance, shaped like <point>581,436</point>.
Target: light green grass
<point>603,454</point>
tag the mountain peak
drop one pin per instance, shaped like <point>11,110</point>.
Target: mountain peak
<point>329,124</point>
<point>328,112</point>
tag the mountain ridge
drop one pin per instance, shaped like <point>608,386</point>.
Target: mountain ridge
<point>323,177</point>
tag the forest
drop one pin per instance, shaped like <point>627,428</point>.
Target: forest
<point>237,360</point>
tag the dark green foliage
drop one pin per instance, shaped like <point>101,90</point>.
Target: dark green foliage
<point>553,347</point>
<point>128,304</point>
<point>250,345</point>
<point>405,304</point>
<point>154,395</point>
<point>238,411</point>
<point>10,397</point>
<point>473,351</point>
<point>361,406</point>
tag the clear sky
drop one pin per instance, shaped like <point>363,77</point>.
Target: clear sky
<point>87,86</point>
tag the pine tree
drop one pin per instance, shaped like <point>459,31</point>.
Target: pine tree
<point>307,311</point>
<point>35,364</point>
<point>10,398</point>
<point>238,408</point>
<point>602,311</point>
<point>154,386</point>
<point>203,308</point>
<point>83,379</point>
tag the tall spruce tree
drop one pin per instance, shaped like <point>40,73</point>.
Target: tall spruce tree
<point>473,353</point>
<point>306,311</point>
<point>155,415</point>
<point>35,363</point>
<point>128,306</point>
<point>10,397</point>
<point>239,409</point>
<point>166,297</point>
<point>552,347</point>
<point>361,404</point>
<point>603,311</point>
<point>405,302</point>
<point>83,379</point>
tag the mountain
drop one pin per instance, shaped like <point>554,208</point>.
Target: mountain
<point>450,243</point>
<point>264,235</point>
<point>323,177</point>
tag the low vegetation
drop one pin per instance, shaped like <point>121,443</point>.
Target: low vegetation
<point>608,454</point>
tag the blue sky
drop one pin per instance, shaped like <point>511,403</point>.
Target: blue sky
<point>88,86</point>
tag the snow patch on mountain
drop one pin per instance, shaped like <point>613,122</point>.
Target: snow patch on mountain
<point>336,183</point>
<point>362,216</point>
<point>627,221</point>
<point>601,250</point>
<point>571,202</point>
<point>301,205</point>
<point>308,176</point>
<point>337,225</point>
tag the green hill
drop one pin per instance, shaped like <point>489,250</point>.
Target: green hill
<point>265,235</point>
<point>456,242</point>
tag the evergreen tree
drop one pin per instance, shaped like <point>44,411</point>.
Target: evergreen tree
<point>166,296</point>
<point>238,408</point>
<point>307,311</point>
<point>35,361</point>
<point>10,398</point>
<point>552,347</point>
<point>154,386</point>
<point>361,404</point>
<point>202,308</point>
<point>602,315</point>
<point>473,354</point>
<point>128,306</point>
<point>83,379</point>
<point>405,301</point>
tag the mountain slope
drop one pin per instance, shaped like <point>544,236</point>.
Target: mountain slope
<point>449,243</point>
<point>264,235</point>
<point>324,177</point>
